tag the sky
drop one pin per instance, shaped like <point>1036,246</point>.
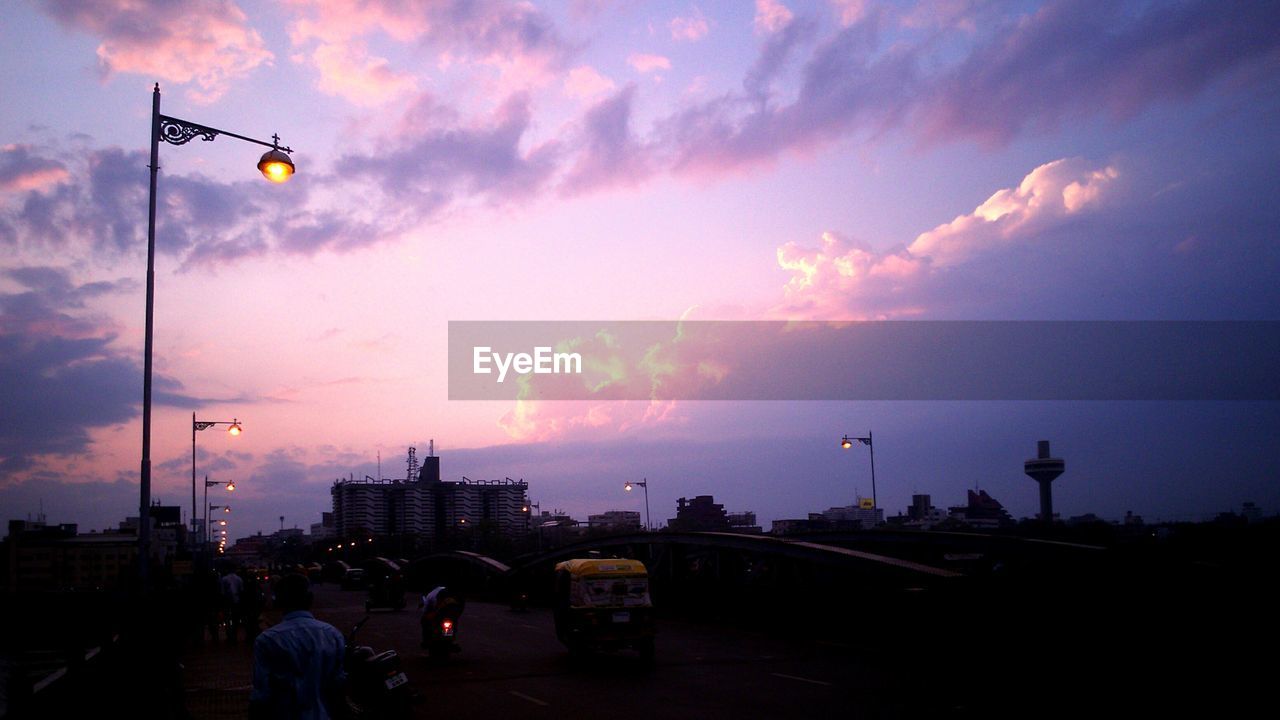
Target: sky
<point>609,160</point>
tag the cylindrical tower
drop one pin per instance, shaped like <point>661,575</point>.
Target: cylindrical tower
<point>1044,469</point>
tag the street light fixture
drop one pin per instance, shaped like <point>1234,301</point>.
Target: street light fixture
<point>276,166</point>
<point>847,442</point>
<point>644,484</point>
<point>231,486</point>
<point>197,425</point>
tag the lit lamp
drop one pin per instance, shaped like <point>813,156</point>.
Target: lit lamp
<point>276,166</point>
<point>234,429</point>
<point>846,442</point>
<point>230,484</point>
<point>644,484</point>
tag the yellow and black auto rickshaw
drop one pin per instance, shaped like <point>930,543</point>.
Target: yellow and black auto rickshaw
<point>604,605</point>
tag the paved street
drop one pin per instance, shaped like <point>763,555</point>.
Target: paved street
<point>511,663</point>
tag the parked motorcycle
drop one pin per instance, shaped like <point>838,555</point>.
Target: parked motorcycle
<point>376,686</point>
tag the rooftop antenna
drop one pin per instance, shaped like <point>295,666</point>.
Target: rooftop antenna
<point>379,464</point>
<point>413,465</point>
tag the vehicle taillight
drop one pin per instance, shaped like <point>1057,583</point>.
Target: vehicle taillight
<point>447,625</point>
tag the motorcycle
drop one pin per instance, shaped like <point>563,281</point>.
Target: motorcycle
<point>376,686</point>
<point>440,612</point>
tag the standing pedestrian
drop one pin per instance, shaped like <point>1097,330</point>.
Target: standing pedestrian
<point>297,663</point>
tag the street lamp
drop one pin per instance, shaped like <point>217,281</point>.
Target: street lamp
<point>231,486</point>
<point>847,442</point>
<point>644,484</point>
<point>196,425</point>
<point>276,166</point>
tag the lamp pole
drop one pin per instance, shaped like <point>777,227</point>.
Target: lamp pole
<point>231,486</point>
<point>846,442</point>
<point>234,431</point>
<point>644,484</point>
<point>277,167</point>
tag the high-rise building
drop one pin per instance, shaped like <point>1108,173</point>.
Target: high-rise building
<point>427,506</point>
<point>700,513</point>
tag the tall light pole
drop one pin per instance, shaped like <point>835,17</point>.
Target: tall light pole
<point>847,442</point>
<point>196,425</point>
<point>276,166</point>
<point>231,486</point>
<point>644,484</point>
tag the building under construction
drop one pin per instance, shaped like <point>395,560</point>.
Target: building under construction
<point>423,505</point>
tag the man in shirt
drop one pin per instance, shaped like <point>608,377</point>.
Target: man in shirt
<point>297,664</point>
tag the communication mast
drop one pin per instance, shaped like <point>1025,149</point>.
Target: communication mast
<point>413,465</point>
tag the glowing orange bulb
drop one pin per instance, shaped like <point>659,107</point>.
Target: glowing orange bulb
<point>276,166</point>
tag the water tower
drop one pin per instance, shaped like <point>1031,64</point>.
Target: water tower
<point>1044,469</point>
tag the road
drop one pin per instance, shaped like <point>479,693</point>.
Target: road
<point>512,665</point>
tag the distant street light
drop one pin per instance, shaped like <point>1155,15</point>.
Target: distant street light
<point>644,484</point>
<point>231,486</point>
<point>276,166</point>
<point>197,425</point>
<point>847,442</point>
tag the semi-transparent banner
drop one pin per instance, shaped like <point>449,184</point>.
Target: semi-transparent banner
<point>927,360</point>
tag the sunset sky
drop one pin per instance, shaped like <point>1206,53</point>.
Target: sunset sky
<point>616,160</point>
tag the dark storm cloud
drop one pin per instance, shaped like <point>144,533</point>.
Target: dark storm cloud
<point>60,376</point>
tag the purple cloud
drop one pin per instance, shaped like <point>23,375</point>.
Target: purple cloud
<point>21,171</point>
<point>1074,58</point>
<point>438,161</point>
<point>609,154</point>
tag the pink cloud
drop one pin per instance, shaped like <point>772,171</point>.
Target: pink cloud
<point>516,39</point>
<point>1049,192</point>
<point>348,71</point>
<point>21,171</point>
<point>643,63</point>
<point>534,421</point>
<point>691,28</point>
<point>207,43</point>
<point>849,12</point>
<point>771,16</point>
<point>825,279</point>
<point>845,280</point>
<point>584,82</point>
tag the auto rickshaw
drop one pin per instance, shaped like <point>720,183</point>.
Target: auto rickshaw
<point>386,584</point>
<point>604,605</point>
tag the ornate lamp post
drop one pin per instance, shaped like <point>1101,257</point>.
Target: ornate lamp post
<point>276,166</point>
<point>847,442</point>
